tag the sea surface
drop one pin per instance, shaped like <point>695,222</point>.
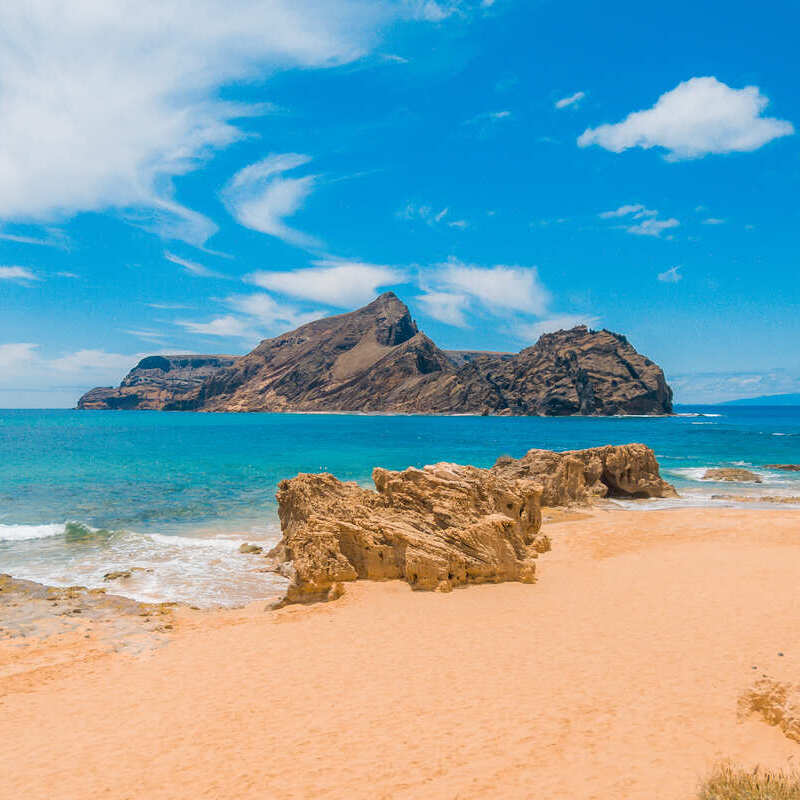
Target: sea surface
<point>84,493</point>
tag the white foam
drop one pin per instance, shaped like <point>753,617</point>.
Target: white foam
<point>189,541</point>
<point>20,533</point>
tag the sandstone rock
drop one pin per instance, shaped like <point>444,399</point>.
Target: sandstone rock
<point>375,359</point>
<point>115,576</point>
<point>444,525</point>
<point>733,474</point>
<point>579,476</point>
<point>786,467</point>
<point>250,548</point>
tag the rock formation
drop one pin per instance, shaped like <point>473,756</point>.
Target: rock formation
<point>580,476</point>
<point>731,474</point>
<point>785,467</point>
<point>446,524</point>
<point>376,360</point>
<point>155,381</point>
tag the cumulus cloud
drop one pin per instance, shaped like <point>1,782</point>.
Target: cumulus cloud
<point>572,100</point>
<point>259,197</point>
<point>672,275</point>
<point>332,281</point>
<point>105,102</point>
<point>228,326</point>
<point>698,117</point>
<point>192,267</point>
<point>640,220</point>
<point>17,274</point>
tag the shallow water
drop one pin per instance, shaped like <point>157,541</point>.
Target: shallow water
<point>177,493</point>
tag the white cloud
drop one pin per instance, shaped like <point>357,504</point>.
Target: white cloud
<point>671,275</point>
<point>17,274</point>
<point>259,198</point>
<point>430,216</point>
<point>506,287</point>
<point>713,221</point>
<point>556,322</point>
<point>332,281</point>
<point>572,100</point>
<point>652,226</point>
<point>446,307</point>
<point>106,101</point>
<point>270,312</point>
<point>229,326</point>
<point>637,210</point>
<point>192,267</point>
<point>28,378</point>
<point>648,223</point>
<point>697,117</point>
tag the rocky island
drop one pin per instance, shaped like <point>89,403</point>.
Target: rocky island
<point>376,360</point>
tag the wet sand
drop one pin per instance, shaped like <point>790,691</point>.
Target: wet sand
<point>616,675</point>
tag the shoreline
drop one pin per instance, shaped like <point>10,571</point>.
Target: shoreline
<point>626,688</point>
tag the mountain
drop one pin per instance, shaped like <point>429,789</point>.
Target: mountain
<point>766,400</point>
<point>375,359</point>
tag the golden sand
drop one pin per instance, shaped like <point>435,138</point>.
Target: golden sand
<point>616,676</point>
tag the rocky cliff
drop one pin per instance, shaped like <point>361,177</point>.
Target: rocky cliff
<point>376,360</point>
<point>156,381</point>
<point>446,524</point>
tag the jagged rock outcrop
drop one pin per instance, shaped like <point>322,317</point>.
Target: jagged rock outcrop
<point>580,476</point>
<point>377,360</point>
<point>446,524</point>
<point>436,527</point>
<point>731,474</point>
<point>156,381</point>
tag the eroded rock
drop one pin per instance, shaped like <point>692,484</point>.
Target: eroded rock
<point>777,703</point>
<point>444,525</point>
<point>580,476</point>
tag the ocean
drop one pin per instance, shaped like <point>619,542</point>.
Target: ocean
<point>175,494</point>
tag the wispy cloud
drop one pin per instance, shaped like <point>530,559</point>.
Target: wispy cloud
<point>431,216</point>
<point>108,113</point>
<point>698,117</point>
<point>641,221</point>
<point>335,282</point>
<point>672,275</point>
<point>18,275</point>
<point>573,100</point>
<point>259,197</point>
<point>192,267</point>
<point>713,221</point>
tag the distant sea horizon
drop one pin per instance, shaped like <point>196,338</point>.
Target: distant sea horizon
<point>87,493</point>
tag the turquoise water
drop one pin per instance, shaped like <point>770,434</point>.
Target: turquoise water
<point>177,493</point>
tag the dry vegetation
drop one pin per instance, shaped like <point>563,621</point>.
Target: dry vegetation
<point>729,783</point>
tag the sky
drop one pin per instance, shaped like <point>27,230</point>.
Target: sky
<point>194,176</point>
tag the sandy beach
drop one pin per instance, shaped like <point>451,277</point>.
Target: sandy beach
<point>616,675</point>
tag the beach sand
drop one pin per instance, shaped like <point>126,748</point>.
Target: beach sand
<point>616,675</point>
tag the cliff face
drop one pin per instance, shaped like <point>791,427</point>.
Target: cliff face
<point>376,360</point>
<point>155,381</point>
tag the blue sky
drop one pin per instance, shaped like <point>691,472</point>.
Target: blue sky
<point>193,177</point>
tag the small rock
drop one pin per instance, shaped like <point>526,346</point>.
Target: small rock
<point>731,474</point>
<point>250,548</point>
<point>444,587</point>
<point>114,576</point>
<point>335,592</point>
